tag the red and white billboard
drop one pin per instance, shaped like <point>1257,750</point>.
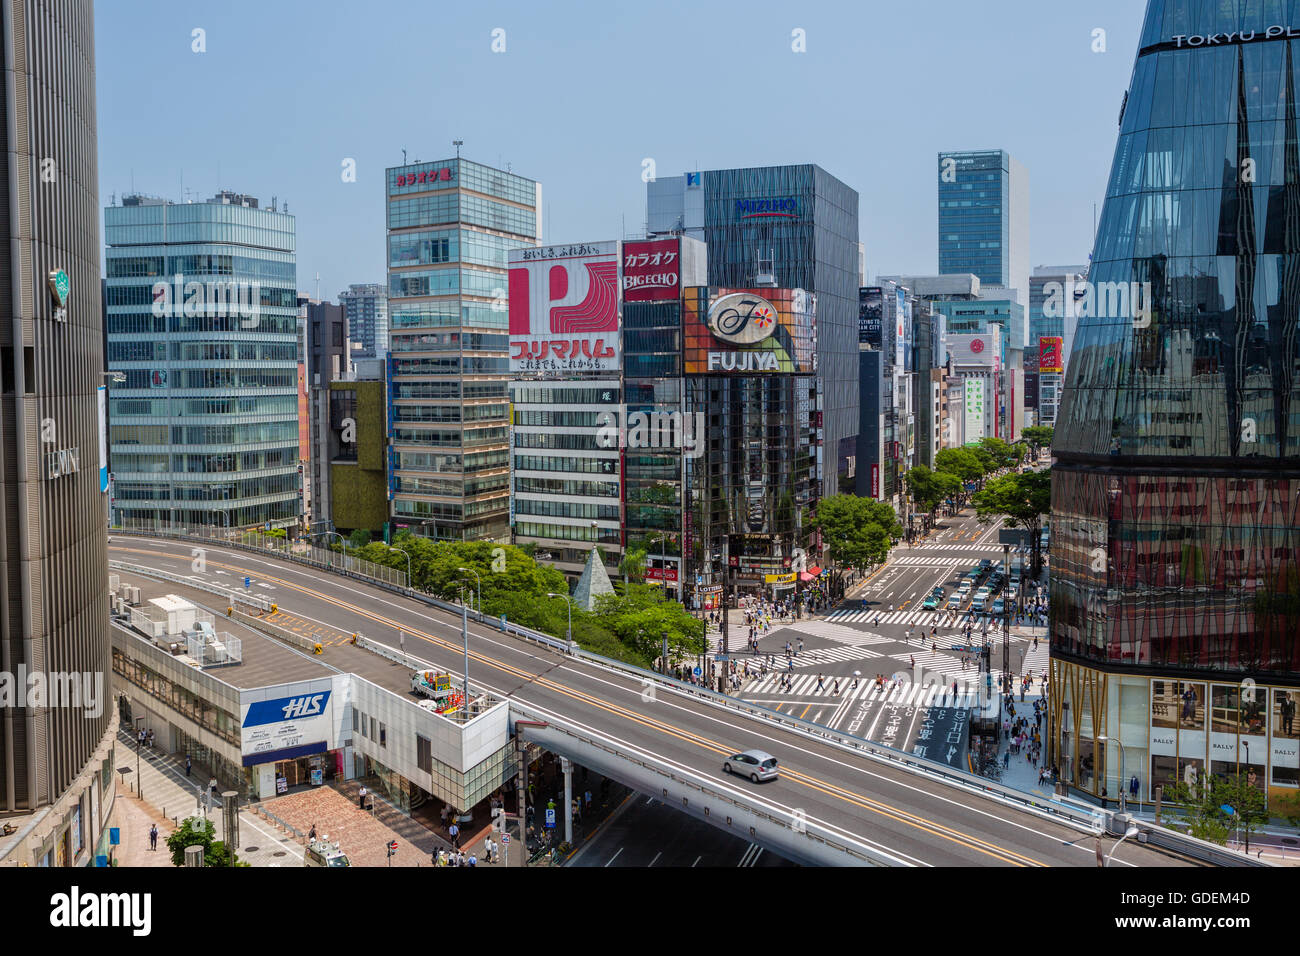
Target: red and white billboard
<point>1049,354</point>
<point>564,308</point>
<point>652,270</point>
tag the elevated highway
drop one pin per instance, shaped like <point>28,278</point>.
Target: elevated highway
<point>853,800</point>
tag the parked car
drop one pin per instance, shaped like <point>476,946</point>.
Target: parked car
<point>755,764</point>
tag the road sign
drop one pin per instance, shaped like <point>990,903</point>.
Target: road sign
<point>247,582</point>
<point>392,846</point>
<point>697,672</point>
<point>550,819</point>
<point>505,838</point>
<point>114,836</point>
<point>721,657</point>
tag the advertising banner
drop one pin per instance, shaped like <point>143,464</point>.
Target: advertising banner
<point>564,308</point>
<point>900,331</point>
<point>651,270</point>
<point>749,331</point>
<point>974,410</point>
<point>870,310</point>
<point>1049,354</point>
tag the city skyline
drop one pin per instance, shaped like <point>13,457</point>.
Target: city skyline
<point>1040,106</point>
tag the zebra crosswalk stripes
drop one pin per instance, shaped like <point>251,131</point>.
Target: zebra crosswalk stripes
<point>940,546</point>
<point>910,616</point>
<point>902,693</point>
<point>833,631</point>
<point>929,562</point>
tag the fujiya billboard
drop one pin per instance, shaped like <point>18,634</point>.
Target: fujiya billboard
<point>564,304</point>
<point>749,330</point>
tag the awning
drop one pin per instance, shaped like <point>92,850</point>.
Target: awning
<point>805,576</point>
<point>814,571</point>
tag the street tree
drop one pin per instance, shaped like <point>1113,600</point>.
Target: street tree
<point>964,464</point>
<point>1021,499</point>
<point>1037,436</point>
<point>856,532</point>
<point>1217,805</point>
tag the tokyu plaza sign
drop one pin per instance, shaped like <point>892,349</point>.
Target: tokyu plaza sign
<point>1236,36</point>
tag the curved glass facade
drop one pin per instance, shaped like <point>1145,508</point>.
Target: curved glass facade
<point>1175,522</point>
<point>1175,530</point>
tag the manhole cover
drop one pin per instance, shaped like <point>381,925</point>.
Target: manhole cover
<point>251,849</point>
<point>279,853</point>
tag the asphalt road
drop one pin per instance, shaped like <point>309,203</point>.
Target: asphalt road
<point>924,822</point>
<point>646,832</point>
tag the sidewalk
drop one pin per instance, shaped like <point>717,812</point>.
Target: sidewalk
<point>170,796</point>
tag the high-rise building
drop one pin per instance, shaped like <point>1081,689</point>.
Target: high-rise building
<point>1175,532</point>
<point>984,220</point>
<point>1053,291</point>
<point>451,226</point>
<point>566,366</point>
<point>793,227</point>
<point>328,352</point>
<point>203,322</point>
<point>367,312</point>
<point>57,766</point>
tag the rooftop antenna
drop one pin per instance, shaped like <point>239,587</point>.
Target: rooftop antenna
<point>317,286</point>
<point>458,143</point>
<point>403,157</point>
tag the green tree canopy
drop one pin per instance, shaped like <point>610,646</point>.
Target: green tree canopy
<point>1021,499</point>
<point>925,488</point>
<point>1001,453</point>
<point>1202,806</point>
<point>1037,436</point>
<point>196,831</point>
<point>963,464</point>
<point>856,531</point>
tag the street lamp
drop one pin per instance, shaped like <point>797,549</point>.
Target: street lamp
<point>139,742</point>
<point>1103,738</point>
<point>663,559</point>
<point>568,603</point>
<point>480,589</point>
<point>342,540</point>
<point>408,566</point>
<point>1129,833</point>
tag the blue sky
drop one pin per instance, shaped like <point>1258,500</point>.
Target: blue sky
<point>585,91</point>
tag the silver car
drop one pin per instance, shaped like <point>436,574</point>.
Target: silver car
<point>754,764</point>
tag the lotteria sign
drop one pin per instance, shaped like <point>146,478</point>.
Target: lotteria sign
<point>760,208</point>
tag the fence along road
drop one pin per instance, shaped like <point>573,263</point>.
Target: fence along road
<point>883,803</point>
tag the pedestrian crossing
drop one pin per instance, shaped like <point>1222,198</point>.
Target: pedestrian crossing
<point>910,616</point>
<point>833,631</point>
<point>902,693</point>
<point>941,546</point>
<point>914,560</point>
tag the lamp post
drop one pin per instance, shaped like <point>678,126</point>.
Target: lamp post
<point>408,565</point>
<point>1006,624</point>
<point>139,781</point>
<point>663,570</point>
<point>480,589</point>
<point>568,603</point>
<point>1129,833</point>
<point>1103,738</point>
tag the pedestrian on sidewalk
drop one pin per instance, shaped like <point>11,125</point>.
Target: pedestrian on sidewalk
<point>453,831</point>
<point>188,764</point>
<point>311,834</point>
<point>153,836</point>
<point>361,798</point>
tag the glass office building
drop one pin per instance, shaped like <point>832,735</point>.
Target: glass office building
<point>984,218</point>
<point>202,319</point>
<point>793,227</point>
<point>451,226</point>
<point>1175,525</point>
<point>366,306</point>
<point>1052,295</point>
